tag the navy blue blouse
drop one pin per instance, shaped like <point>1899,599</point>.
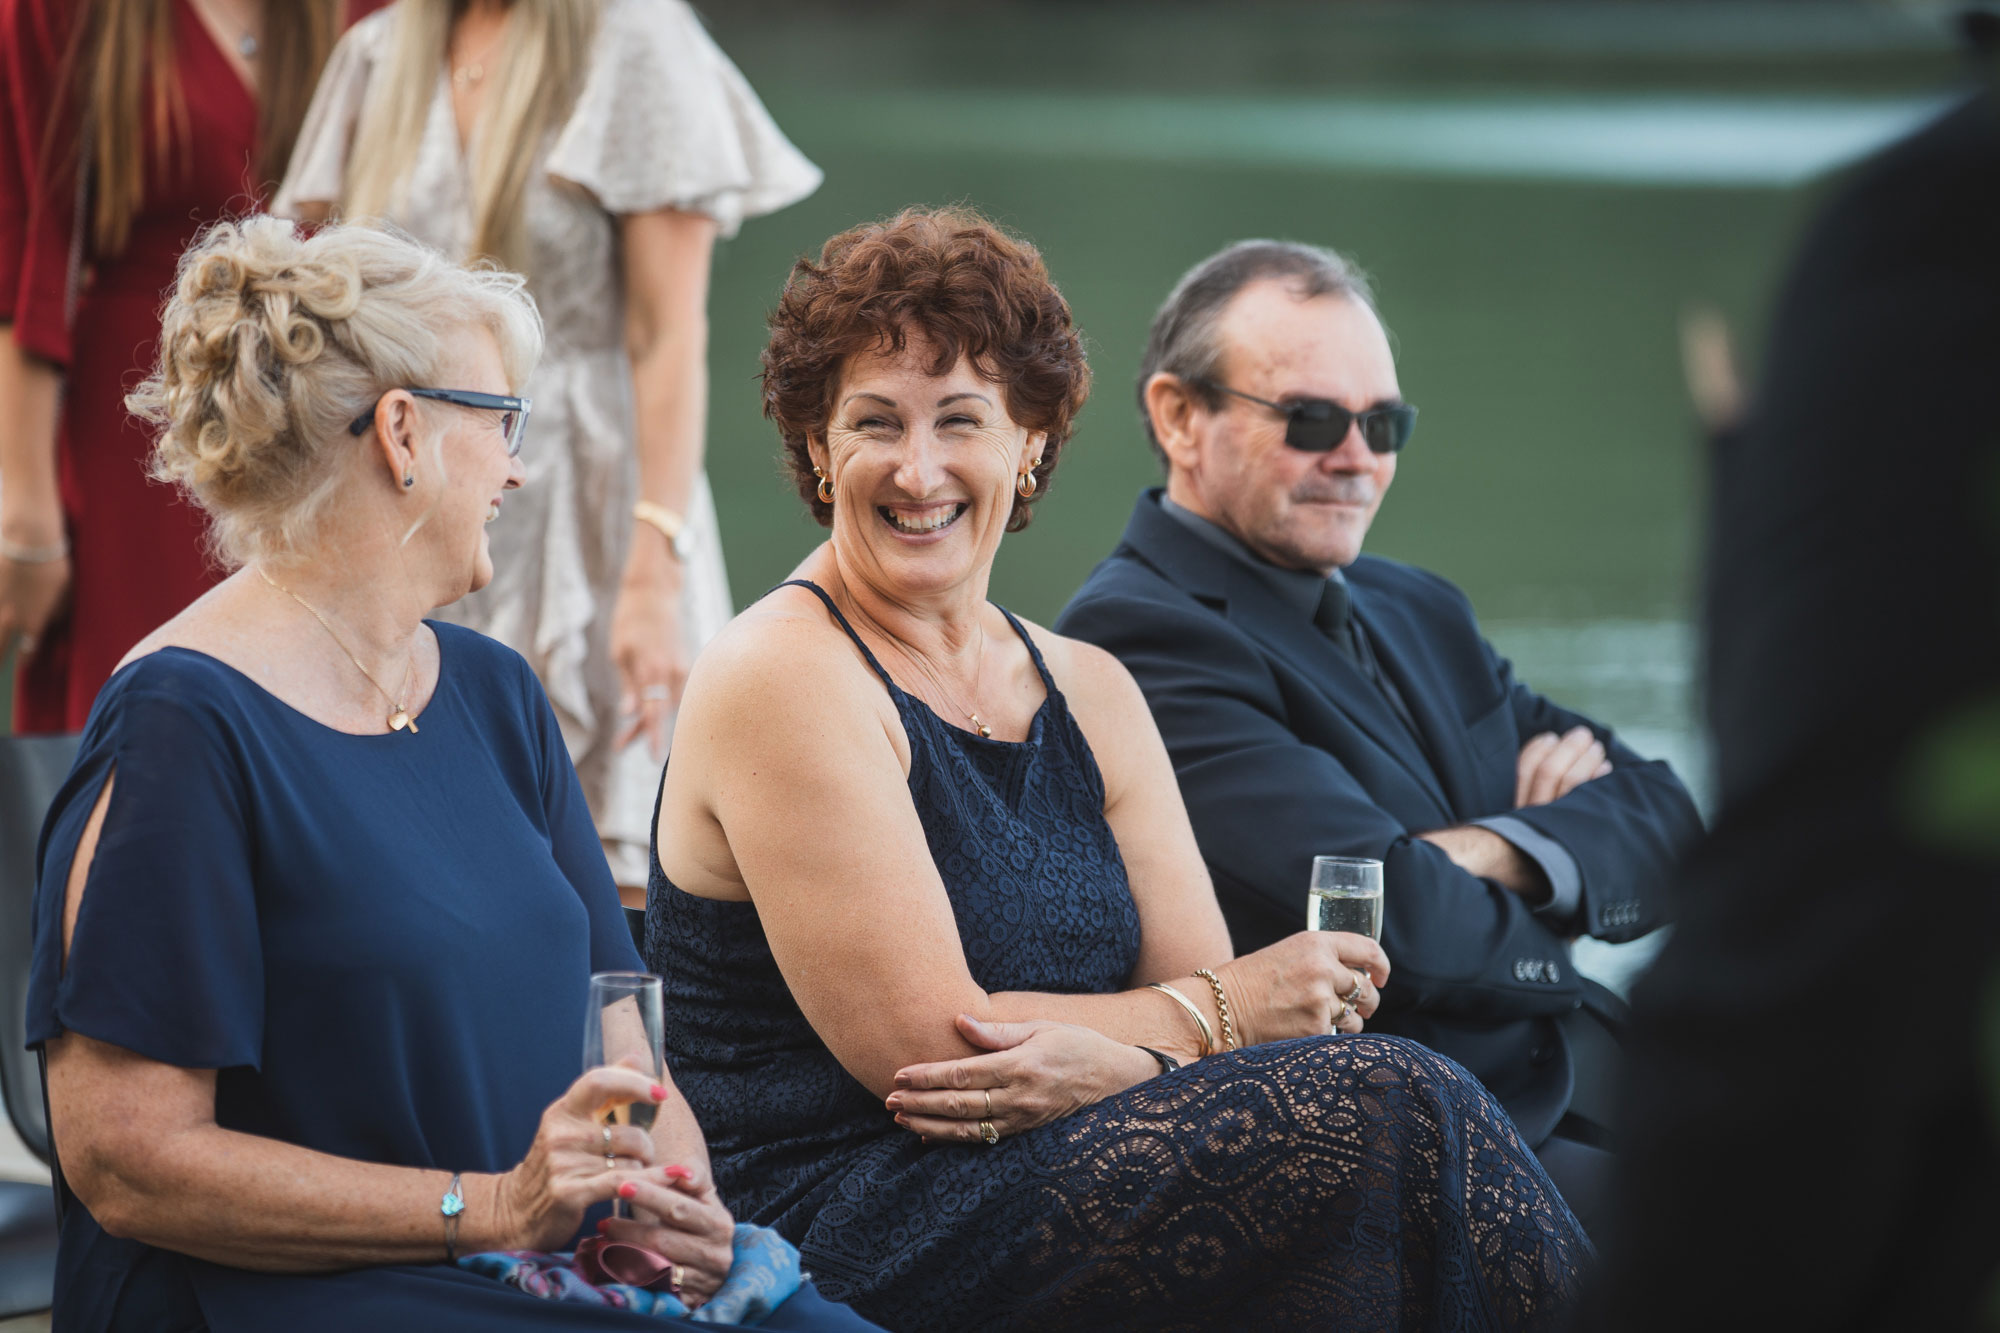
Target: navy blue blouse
<point>381,944</point>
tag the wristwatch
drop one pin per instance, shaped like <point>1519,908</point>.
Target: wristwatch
<point>669,525</point>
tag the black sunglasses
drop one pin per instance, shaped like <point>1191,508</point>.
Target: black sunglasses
<point>513,411</point>
<point>1318,426</point>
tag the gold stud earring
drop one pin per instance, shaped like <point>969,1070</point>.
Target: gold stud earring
<point>825,491</point>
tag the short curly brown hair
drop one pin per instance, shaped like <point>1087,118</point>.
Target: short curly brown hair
<point>951,278</point>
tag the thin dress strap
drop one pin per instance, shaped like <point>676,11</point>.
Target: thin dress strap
<point>821,593</point>
<point>1048,681</point>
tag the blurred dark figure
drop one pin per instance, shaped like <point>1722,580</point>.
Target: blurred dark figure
<point>1811,1110</point>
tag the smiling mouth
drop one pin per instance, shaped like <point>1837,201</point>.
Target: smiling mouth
<point>931,520</point>
<point>492,511</point>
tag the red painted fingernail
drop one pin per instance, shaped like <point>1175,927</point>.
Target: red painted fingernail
<point>679,1173</point>
<point>659,1092</point>
<point>603,1225</point>
<point>627,1190</point>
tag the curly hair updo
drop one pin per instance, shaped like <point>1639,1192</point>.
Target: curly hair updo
<point>949,278</point>
<point>273,341</point>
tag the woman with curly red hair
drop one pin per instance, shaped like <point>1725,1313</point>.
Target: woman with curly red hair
<point>911,850</point>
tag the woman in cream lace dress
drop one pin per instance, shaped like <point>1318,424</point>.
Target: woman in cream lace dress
<point>600,146</point>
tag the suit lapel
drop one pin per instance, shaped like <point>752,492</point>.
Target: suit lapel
<point>1398,643</point>
<point>1249,603</point>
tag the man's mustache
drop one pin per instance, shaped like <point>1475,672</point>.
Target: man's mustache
<point>1334,490</point>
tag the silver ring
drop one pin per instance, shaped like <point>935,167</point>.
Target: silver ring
<point>658,693</point>
<point>1354,996</point>
<point>610,1158</point>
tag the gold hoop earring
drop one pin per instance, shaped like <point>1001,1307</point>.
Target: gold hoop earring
<point>825,489</point>
<point>1025,487</point>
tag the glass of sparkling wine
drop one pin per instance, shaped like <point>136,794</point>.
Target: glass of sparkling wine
<point>1345,894</point>
<point>623,1026</point>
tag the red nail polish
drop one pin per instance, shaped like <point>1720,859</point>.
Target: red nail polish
<point>627,1190</point>
<point>659,1092</point>
<point>603,1225</point>
<point>679,1173</point>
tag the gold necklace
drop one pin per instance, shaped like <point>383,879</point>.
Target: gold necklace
<point>978,664</point>
<point>399,716</point>
<point>470,73</point>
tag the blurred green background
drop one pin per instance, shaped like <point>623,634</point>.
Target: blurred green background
<point>1539,192</point>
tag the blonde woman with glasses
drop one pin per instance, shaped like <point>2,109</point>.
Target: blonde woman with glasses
<point>600,147</point>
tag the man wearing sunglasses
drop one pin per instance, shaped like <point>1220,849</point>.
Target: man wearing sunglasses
<point>1318,701</point>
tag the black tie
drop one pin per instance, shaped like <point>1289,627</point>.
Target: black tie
<point>1332,615</point>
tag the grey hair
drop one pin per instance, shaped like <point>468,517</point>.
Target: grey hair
<point>275,339</point>
<point>1182,342</point>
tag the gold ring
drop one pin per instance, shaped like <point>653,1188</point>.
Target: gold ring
<point>988,1133</point>
<point>989,1102</point>
<point>1346,1008</point>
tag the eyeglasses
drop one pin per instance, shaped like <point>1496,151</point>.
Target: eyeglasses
<point>513,411</point>
<point>1318,426</point>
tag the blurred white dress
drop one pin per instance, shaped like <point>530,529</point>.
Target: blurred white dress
<point>663,120</point>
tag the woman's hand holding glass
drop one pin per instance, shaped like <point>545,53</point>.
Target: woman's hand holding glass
<point>577,1161</point>
<point>1039,1071</point>
<point>1300,986</point>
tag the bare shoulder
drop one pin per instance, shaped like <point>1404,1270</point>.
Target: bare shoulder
<point>1097,684</point>
<point>781,662</point>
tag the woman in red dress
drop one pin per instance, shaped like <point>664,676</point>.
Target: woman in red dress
<point>173,113</point>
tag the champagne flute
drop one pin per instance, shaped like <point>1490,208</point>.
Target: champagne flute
<point>623,1026</point>
<point>1345,894</point>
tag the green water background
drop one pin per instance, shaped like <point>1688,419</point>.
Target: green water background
<point>1533,292</point>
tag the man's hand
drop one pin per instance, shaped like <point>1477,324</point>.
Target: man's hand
<point>1482,852</point>
<point>1552,766</point>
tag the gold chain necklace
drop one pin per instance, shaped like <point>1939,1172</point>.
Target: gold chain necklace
<point>470,73</point>
<point>978,664</point>
<point>399,716</point>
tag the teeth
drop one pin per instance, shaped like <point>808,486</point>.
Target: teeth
<point>492,511</point>
<point>921,525</point>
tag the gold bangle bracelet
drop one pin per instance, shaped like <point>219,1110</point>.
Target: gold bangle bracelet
<point>1207,1037</point>
<point>668,524</point>
<point>1221,1007</point>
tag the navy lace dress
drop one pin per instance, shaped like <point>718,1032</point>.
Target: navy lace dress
<point>1352,1183</point>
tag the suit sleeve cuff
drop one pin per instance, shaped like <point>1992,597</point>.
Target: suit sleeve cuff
<point>1558,866</point>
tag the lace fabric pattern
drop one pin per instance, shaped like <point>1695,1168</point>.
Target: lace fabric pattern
<point>1352,1183</point>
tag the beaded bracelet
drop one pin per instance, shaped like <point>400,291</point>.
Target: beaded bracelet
<point>1221,1006</point>
<point>1207,1037</point>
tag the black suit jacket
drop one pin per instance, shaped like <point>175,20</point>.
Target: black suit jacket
<point>1285,750</point>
